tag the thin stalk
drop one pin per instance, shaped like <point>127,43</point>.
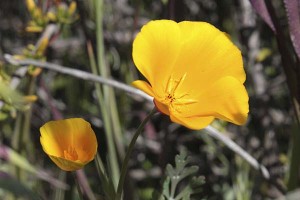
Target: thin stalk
<point>100,41</point>
<point>128,154</point>
<point>24,142</point>
<point>17,132</point>
<point>107,187</point>
<point>86,189</point>
<point>16,143</point>
<point>100,168</point>
<point>83,75</point>
<point>78,186</point>
<point>108,93</point>
<point>59,193</point>
<point>116,124</point>
<point>112,155</point>
<point>27,119</point>
<point>292,178</point>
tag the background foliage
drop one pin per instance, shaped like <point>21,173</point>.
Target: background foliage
<point>96,36</point>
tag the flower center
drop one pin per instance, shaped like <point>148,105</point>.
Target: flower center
<point>176,101</point>
<point>70,154</point>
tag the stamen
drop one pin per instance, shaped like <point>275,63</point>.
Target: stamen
<point>169,87</point>
<point>176,102</point>
<point>185,101</point>
<point>178,83</point>
<point>70,154</point>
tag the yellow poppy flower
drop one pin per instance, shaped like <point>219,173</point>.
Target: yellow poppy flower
<point>70,143</point>
<point>194,72</point>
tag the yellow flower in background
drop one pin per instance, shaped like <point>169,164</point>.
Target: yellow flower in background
<point>194,72</point>
<point>30,5</point>
<point>70,143</point>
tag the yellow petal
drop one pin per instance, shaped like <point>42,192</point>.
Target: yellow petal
<point>207,54</point>
<point>34,29</point>
<point>195,72</point>
<point>72,8</point>
<point>67,165</point>
<point>53,140</point>
<point>74,136</point>
<point>30,98</point>
<point>43,44</point>
<point>195,123</point>
<point>30,4</point>
<point>161,107</point>
<point>144,86</point>
<point>86,141</point>
<point>155,49</point>
<point>226,99</point>
<point>51,16</point>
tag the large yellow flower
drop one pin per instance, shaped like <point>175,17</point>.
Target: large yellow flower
<point>70,143</point>
<point>194,72</point>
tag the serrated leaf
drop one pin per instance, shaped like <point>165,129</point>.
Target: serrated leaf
<point>177,174</point>
<point>189,171</point>
<point>197,181</point>
<point>170,171</point>
<point>180,163</point>
<point>185,193</point>
<point>166,187</point>
<point>186,198</point>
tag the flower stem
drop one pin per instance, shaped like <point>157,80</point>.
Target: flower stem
<point>77,185</point>
<point>128,154</point>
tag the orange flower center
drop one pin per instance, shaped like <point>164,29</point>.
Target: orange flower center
<point>173,99</point>
<point>70,154</point>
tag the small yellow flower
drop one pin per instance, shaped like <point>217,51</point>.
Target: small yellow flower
<point>30,5</point>
<point>72,8</point>
<point>194,72</point>
<point>51,16</point>
<point>70,143</point>
<point>34,29</point>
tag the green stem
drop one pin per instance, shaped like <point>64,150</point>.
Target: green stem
<point>59,193</point>
<point>21,141</point>
<point>77,185</point>
<point>100,168</point>
<point>26,139</point>
<point>100,43</point>
<point>117,133</point>
<point>17,133</point>
<point>128,154</point>
<point>112,155</point>
<point>104,97</point>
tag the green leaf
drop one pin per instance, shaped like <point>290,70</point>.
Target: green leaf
<point>12,97</point>
<point>176,174</point>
